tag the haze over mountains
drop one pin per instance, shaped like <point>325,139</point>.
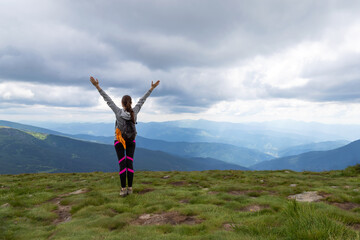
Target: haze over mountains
<point>335,159</point>
<point>224,152</point>
<point>218,146</point>
<point>22,152</point>
<point>320,146</point>
<point>267,137</point>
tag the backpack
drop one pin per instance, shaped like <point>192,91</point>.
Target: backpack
<point>129,131</point>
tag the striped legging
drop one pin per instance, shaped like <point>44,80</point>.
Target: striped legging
<point>125,162</point>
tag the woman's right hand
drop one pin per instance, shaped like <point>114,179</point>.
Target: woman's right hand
<point>94,82</point>
<point>154,85</point>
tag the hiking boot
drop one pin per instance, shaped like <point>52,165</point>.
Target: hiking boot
<point>129,191</point>
<point>123,193</point>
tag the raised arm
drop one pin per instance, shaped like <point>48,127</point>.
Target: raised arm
<point>107,99</point>
<point>147,94</point>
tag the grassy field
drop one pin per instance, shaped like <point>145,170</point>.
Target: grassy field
<point>180,205</point>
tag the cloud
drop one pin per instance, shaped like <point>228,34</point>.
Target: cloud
<point>204,52</point>
<point>24,93</point>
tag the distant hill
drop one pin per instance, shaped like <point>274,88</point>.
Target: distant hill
<point>335,159</point>
<point>268,137</point>
<point>259,138</point>
<point>320,146</point>
<point>225,152</point>
<point>29,128</point>
<point>22,152</point>
<point>241,135</point>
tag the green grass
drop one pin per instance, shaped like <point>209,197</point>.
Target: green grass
<point>41,136</point>
<point>100,213</point>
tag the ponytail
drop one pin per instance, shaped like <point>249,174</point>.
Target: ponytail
<point>126,101</point>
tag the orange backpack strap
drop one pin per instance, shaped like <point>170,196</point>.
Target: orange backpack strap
<point>120,138</point>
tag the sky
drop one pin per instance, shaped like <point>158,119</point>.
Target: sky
<point>224,60</point>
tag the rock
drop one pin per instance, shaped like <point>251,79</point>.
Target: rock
<point>145,217</point>
<point>293,185</point>
<point>356,190</point>
<point>286,171</point>
<point>230,226</point>
<point>5,205</point>
<point>166,177</point>
<point>311,196</point>
<point>254,208</point>
<point>334,186</point>
<point>80,191</point>
<point>261,181</point>
<point>173,218</point>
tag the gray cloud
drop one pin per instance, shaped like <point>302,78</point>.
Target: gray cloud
<point>336,81</point>
<point>186,44</point>
<point>163,34</point>
<point>319,90</point>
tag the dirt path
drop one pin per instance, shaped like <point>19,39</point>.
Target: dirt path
<point>63,211</point>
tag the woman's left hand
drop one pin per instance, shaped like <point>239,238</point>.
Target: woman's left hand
<point>154,85</point>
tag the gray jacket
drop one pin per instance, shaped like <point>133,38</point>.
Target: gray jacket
<point>120,113</point>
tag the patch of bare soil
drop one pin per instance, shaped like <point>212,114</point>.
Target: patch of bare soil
<point>184,201</point>
<point>311,196</point>
<point>146,190</point>
<point>228,176</point>
<point>324,194</point>
<point>346,205</point>
<point>52,235</point>
<point>271,192</point>
<point>113,211</point>
<point>213,192</point>
<point>355,226</point>
<point>254,208</point>
<point>179,183</point>
<point>173,218</point>
<point>146,182</point>
<point>80,191</point>
<point>242,192</point>
<point>63,211</point>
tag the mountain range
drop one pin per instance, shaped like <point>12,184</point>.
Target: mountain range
<point>335,159</point>
<point>270,137</point>
<point>225,152</point>
<point>30,152</point>
<point>53,151</point>
<point>316,146</point>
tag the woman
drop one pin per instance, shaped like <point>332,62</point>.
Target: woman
<point>123,117</point>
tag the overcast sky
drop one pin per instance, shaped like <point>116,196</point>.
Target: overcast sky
<point>218,60</point>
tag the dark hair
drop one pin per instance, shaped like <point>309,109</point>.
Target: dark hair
<point>126,101</point>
